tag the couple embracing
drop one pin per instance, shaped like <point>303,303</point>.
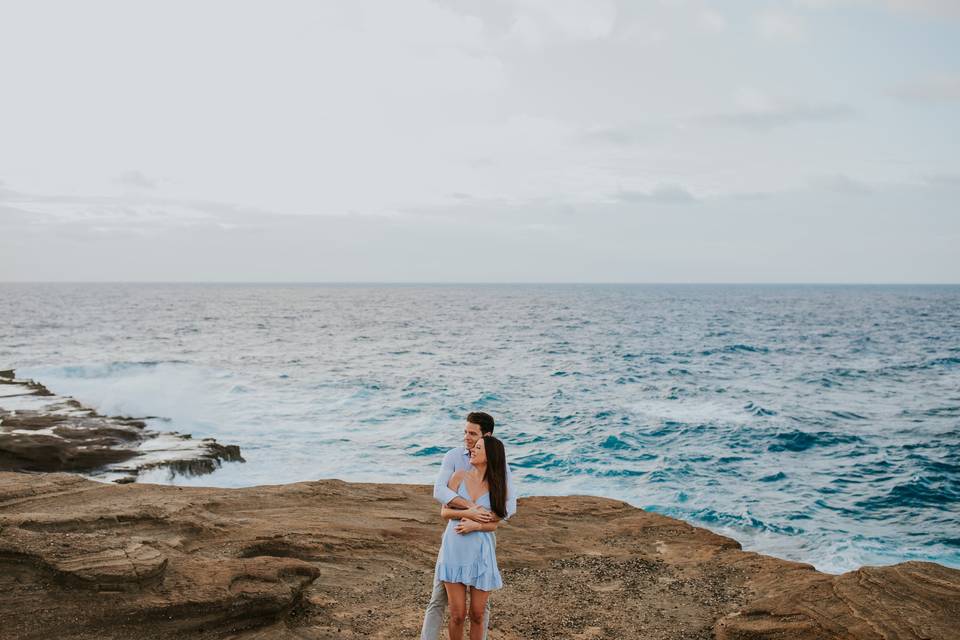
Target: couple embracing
<point>476,493</point>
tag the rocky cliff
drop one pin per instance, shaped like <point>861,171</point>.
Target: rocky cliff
<point>82,560</point>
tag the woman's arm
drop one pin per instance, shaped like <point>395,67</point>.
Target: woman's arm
<point>473,512</point>
<point>467,526</point>
<point>452,484</point>
<point>441,492</point>
<point>448,513</point>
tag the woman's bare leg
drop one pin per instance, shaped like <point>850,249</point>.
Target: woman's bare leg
<point>457,600</point>
<point>478,603</point>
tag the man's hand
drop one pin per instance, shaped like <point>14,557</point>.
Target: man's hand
<point>466,526</point>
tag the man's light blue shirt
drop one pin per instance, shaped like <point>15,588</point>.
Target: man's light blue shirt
<point>458,459</point>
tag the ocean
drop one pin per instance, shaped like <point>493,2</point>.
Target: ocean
<point>814,423</point>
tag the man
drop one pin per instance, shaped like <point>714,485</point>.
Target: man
<point>478,425</point>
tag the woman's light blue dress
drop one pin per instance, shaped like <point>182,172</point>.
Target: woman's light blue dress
<point>469,558</point>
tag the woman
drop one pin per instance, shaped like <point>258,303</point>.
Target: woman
<point>468,559</point>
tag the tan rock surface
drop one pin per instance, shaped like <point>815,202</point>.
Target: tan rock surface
<point>328,559</point>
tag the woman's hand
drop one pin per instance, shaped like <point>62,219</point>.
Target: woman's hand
<point>478,513</point>
<point>467,526</point>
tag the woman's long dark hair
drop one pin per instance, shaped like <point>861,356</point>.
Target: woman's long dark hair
<point>496,475</point>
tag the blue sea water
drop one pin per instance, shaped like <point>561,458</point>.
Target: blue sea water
<point>815,423</point>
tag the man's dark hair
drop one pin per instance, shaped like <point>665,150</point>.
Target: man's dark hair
<point>482,420</point>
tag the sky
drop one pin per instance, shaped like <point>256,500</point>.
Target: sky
<point>483,141</point>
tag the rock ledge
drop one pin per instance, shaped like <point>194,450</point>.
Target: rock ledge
<point>41,431</point>
<point>82,560</point>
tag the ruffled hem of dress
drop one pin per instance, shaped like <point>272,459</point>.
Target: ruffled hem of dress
<point>487,581</point>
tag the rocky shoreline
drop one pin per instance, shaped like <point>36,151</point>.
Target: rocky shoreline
<point>85,560</point>
<point>82,560</point>
<point>42,431</point>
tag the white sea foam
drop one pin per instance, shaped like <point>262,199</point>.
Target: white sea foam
<point>184,393</point>
<point>33,432</point>
<point>8,390</point>
<point>690,411</point>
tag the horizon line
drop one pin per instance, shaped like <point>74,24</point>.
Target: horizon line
<point>493,282</point>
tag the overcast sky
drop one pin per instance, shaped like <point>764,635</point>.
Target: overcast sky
<point>555,140</point>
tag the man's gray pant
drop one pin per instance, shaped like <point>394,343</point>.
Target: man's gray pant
<point>433,618</point>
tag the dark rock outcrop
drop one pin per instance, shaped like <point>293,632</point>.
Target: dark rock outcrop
<point>41,431</point>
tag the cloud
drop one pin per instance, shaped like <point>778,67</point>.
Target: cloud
<point>759,111</point>
<point>781,117</point>
<point>711,20</point>
<point>934,7</point>
<point>601,240</point>
<point>943,180</point>
<point>16,216</point>
<point>778,25</point>
<point>933,88</point>
<point>945,8</point>
<point>135,179</point>
<point>538,23</point>
<point>663,194</point>
<point>625,135</point>
<point>138,215</point>
<point>839,183</point>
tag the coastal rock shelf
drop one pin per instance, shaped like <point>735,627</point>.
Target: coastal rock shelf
<point>81,560</point>
<point>41,431</point>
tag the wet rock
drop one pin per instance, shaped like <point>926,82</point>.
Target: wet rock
<point>40,431</point>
